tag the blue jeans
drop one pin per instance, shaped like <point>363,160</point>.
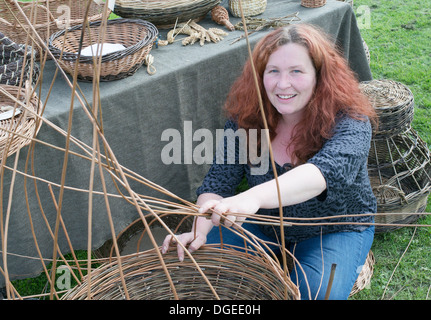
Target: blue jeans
<point>348,250</point>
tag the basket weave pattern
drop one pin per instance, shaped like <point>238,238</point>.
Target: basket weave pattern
<point>15,63</point>
<point>313,3</point>
<point>233,274</point>
<point>17,132</point>
<point>136,36</point>
<point>47,17</point>
<point>249,7</point>
<point>164,13</point>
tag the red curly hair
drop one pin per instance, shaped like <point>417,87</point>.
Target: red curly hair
<point>337,90</point>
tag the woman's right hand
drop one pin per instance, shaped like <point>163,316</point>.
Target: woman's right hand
<point>188,238</point>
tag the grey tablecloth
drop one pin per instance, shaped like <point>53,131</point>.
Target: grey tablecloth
<point>190,84</point>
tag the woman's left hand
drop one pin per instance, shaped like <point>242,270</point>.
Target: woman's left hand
<point>224,210</point>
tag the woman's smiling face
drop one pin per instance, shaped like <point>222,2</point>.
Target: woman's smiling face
<point>289,80</point>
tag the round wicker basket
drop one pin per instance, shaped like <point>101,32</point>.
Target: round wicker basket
<point>394,104</point>
<point>164,13</point>
<point>47,17</point>
<point>15,63</point>
<point>17,132</point>
<point>399,168</point>
<point>137,36</point>
<point>313,3</point>
<point>233,274</point>
<point>249,7</point>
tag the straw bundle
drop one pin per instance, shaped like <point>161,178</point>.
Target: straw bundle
<point>249,7</point>
<point>232,275</point>
<point>137,36</point>
<point>364,277</point>
<point>164,13</point>
<point>15,63</point>
<point>46,16</point>
<point>400,173</point>
<point>313,3</point>
<point>17,131</point>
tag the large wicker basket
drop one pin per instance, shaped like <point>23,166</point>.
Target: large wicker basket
<point>313,3</point>
<point>47,17</point>
<point>137,36</point>
<point>164,13</point>
<point>16,63</point>
<point>394,104</point>
<point>17,132</point>
<point>249,7</point>
<point>233,275</point>
<point>400,173</point>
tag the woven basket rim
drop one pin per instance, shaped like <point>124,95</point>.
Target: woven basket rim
<point>151,35</point>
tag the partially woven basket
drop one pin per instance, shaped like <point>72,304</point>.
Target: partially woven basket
<point>164,13</point>
<point>47,17</point>
<point>17,132</point>
<point>364,278</point>
<point>313,3</point>
<point>137,36</point>
<point>16,63</point>
<point>249,7</point>
<point>233,274</point>
<point>399,168</point>
<point>394,104</point>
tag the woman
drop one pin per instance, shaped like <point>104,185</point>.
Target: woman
<point>320,132</point>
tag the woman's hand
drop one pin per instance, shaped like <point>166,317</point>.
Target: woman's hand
<point>185,239</point>
<point>224,210</point>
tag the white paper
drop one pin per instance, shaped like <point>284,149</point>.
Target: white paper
<point>105,49</point>
<point>8,112</point>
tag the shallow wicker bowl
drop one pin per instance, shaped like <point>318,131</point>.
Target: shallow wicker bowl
<point>394,104</point>
<point>400,173</point>
<point>313,3</point>
<point>234,275</point>
<point>17,132</point>
<point>47,17</point>
<point>249,7</point>
<point>164,13</point>
<point>16,63</point>
<point>136,35</point>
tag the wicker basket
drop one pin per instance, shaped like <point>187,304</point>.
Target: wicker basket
<point>249,7</point>
<point>16,132</point>
<point>137,36</point>
<point>394,104</point>
<point>164,13</point>
<point>47,17</point>
<point>313,3</point>
<point>233,274</point>
<point>400,173</point>
<point>15,63</point>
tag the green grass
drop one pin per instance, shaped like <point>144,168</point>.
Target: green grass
<point>398,39</point>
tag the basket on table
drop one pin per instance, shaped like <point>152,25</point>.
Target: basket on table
<point>17,131</point>
<point>313,3</point>
<point>164,13</point>
<point>394,104</point>
<point>135,35</point>
<point>233,274</point>
<point>399,168</point>
<point>249,7</point>
<point>16,63</point>
<point>46,16</point>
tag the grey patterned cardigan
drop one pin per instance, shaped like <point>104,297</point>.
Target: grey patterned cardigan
<point>342,161</point>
